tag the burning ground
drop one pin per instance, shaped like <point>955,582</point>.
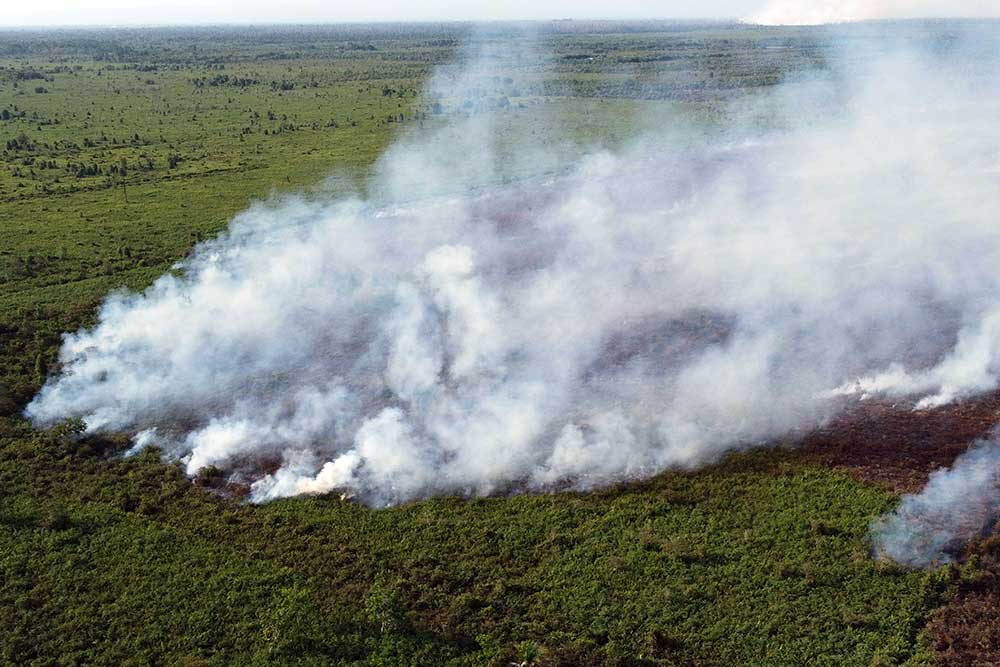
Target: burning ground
<point>763,558</point>
<point>649,308</point>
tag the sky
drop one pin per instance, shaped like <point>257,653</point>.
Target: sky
<point>159,12</point>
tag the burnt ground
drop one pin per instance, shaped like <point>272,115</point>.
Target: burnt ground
<point>897,448</point>
<point>966,631</point>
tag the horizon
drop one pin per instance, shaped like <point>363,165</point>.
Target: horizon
<point>728,21</point>
<point>186,13</point>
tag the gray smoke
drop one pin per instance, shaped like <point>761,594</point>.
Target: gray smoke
<point>957,505</point>
<point>651,307</point>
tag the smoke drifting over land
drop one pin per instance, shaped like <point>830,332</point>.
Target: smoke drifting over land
<point>653,307</point>
<point>957,505</point>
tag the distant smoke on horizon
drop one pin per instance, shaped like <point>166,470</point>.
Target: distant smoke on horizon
<point>654,307</point>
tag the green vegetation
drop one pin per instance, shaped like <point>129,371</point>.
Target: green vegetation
<point>759,561</point>
<point>122,149</point>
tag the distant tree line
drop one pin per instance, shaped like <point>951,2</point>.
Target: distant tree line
<point>225,80</point>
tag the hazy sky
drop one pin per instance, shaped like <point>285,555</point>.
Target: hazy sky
<point>119,12</point>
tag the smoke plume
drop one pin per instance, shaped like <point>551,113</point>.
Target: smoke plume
<point>957,505</point>
<point>457,331</point>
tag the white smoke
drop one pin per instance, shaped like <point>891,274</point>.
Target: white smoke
<point>957,505</point>
<point>652,307</point>
<point>971,367</point>
<point>821,12</point>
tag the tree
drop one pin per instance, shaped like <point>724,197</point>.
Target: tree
<point>383,608</point>
<point>122,173</point>
<point>41,368</point>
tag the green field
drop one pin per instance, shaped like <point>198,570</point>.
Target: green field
<point>124,148</point>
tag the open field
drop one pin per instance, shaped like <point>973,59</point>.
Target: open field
<point>124,148</point>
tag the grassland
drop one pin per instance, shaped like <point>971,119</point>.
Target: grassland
<point>762,560</point>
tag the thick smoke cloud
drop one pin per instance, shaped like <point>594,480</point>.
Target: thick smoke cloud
<point>651,307</point>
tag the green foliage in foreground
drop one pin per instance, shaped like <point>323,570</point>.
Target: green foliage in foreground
<point>761,560</point>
